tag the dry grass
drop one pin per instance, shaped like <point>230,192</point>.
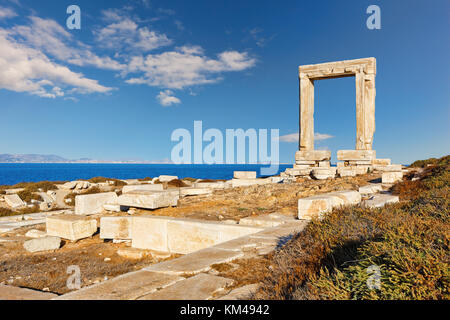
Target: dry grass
<point>408,241</point>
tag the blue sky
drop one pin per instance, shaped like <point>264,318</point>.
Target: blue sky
<point>137,70</point>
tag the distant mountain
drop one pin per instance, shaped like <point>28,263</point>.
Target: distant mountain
<point>51,158</point>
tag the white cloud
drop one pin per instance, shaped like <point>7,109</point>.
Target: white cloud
<point>293,137</point>
<point>6,13</point>
<point>259,38</point>
<point>25,69</point>
<point>53,39</point>
<point>122,33</point>
<point>186,66</point>
<point>166,98</point>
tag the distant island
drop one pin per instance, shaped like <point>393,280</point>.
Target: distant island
<point>51,158</point>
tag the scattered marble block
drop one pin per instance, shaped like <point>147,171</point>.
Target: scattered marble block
<point>71,227</point>
<point>381,162</point>
<point>249,182</point>
<point>324,173</point>
<point>33,233</point>
<point>265,221</point>
<point>345,198</point>
<point>325,164</point>
<point>142,187</point>
<point>391,177</point>
<point>165,178</point>
<point>132,253</point>
<point>112,207</point>
<point>346,172</point>
<point>149,200</point>
<point>340,164</point>
<point>115,228</point>
<point>42,244</point>
<point>380,200</point>
<point>312,155</point>
<point>348,155</point>
<point>211,185</point>
<point>192,191</point>
<point>244,174</point>
<point>314,206</point>
<point>299,172</point>
<point>388,168</point>
<point>14,201</point>
<point>87,204</point>
<point>371,188</point>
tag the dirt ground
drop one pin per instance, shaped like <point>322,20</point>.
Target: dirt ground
<point>47,271</point>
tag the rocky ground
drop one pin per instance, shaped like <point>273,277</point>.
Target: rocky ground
<point>99,260</point>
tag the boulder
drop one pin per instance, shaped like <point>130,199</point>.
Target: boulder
<point>42,244</point>
<point>87,204</point>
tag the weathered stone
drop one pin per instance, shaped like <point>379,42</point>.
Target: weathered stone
<point>324,164</point>
<point>309,155</point>
<point>142,187</point>
<point>192,191</point>
<point>129,286</point>
<point>381,162</point>
<point>299,172</point>
<point>112,207</point>
<point>33,233</point>
<point>196,262</point>
<point>346,171</point>
<point>115,227</point>
<point>340,164</point>
<point>14,201</point>
<point>388,168</point>
<point>16,293</point>
<point>345,198</point>
<point>314,206</point>
<point>178,235</point>
<point>149,200</point>
<point>87,204</point>
<point>132,253</point>
<point>370,188</point>
<point>324,173</point>
<point>391,177</point>
<point>244,175</point>
<point>71,227</point>
<point>199,287</point>
<point>360,162</point>
<point>164,178</point>
<point>301,163</point>
<point>249,182</point>
<point>42,244</point>
<point>265,221</point>
<point>380,200</point>
<point>210,185</point>
<point>347,155</point>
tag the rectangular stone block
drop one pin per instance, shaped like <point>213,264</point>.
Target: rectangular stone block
<point>324,173</point>
<point>360,162</point>
<point>391,177</point>
<point>304,163</point>
<point>324,164</point>
<point>142,187</point>
<point>165,178</point>
<point>314,206</point>
<point>380,200</point>
<point>249,182</point>
<point>192,191</point>
<point>316,155</point>
<point>345,198</point>
<point>244,175</point>
<point>71,227</point>
<point>149,200</point>
<point>42,244</point>
<point>93,203</point>
<point>371,188</point>
<point>301,166</point>
<point>340,164</point>
<point>115,227</point>
<point>347,155</point>
<point>149,233</point>
<point>14,201</point>
<point>388,168</point>
<point>211,185</point>
<point>381,162</point>
<point>299,172</point>
<point>346,171</point>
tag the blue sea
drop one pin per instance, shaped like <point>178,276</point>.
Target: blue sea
<point>12,173</point>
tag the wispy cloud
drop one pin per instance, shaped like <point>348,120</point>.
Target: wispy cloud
<point>186,66</point>
<point>166,98</point>
<point>6,13</point>
<point>260,39</point>
<point>293,137</point>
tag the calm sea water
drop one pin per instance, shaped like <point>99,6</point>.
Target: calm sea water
<point>12,173</point>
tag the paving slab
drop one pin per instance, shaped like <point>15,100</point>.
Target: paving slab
<point>200,287</point>
<point>17,293</point>
<point>129,286</point>
<point>196,262</point>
